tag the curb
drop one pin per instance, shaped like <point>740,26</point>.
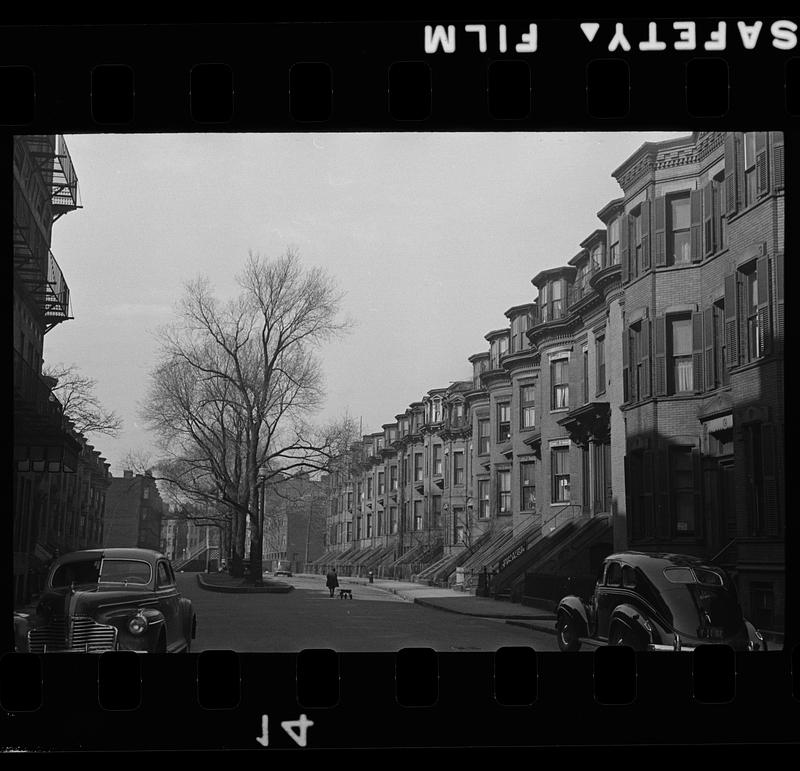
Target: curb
<point>506,616</point>
<point>276,587</point>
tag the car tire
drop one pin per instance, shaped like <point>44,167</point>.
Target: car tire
<point>568,639</point>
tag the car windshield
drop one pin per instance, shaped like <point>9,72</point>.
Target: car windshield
<point>125,572</point>
<point>81,572</point>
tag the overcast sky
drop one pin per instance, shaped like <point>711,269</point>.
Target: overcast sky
<point>431,236</point>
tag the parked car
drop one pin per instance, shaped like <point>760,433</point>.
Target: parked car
<point>657,602</point>
<point>109,599</point>
<point>284,568</point>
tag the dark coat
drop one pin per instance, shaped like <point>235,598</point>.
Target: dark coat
<point>331,580</point>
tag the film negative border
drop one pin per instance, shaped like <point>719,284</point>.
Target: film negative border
<point>417,75</point>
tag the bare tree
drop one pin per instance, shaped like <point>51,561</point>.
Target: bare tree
<point>81,406</point>
<point>232,396</point>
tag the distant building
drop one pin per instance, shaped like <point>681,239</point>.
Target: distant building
<point>133,512</point>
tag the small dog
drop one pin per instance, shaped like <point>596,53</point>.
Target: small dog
<point>345,594</point>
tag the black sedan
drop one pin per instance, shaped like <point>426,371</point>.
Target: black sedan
<point>109,599</point>
<point>657,602</point>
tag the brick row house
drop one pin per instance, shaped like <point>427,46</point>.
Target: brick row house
<point>60,479</point>
<point>635,402</point>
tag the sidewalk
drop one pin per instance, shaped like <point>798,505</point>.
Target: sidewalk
<point>454,601</point>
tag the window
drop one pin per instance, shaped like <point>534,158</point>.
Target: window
<point>613,242</point>
<point>417,466</point>
<point>380,523</point>
<point>527,486</point>
<point>556,299</point>
<point>436,411</point>
<point>458,468</point>
<point>417,515</point>
<point>407,516</point>
<point>349,532</point>
<point>369,488</point>
<point>678,227</point>
<point>527,406</point>
<point>163,575</point>
<point>503,422</point>
<point>393,477</point>
<point>502,347</point>
<point>614,574</point>
<point>349,501</point>
<point>518,328</point>
<point>600,358</point>
<point>596,259</point>
<point>483,499</point>
<point>405,470</point>
<point>358,528</point>
<point>680,370</point>
<point>504,492</point>
<point>749,167</point>
<point>146,493</point>
<point>436,504</point>
<point>393,519</point>
<point>636,264</point>
<point>437,460</point>
<point>378,445</point>
<point>559,384</point>
<point>359,493</point>
<point>682,489</point>
<point>381,483</point>
<point>483,437</point>
<point>559,463</point>
<point>369,525</point>
<point>457,413</point>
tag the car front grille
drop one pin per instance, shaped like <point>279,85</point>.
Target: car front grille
<point>84,635</point>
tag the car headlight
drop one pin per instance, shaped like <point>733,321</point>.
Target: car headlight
<point>138,624</point>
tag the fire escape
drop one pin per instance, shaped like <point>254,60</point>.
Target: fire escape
<point>34,263</point>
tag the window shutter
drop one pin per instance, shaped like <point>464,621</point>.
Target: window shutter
<point>644,358</point>
<point>659,232</point>
<point>731,323</point>
<point>731,184</point>
<point>645,221</point>
<point>660,356</point>
<point>719,214</point>
<point>764,318</point>
<point>697,478</point>
<point>769,478</point>
<point>626,342</point>
<point>777,160</point>
<point>709,219</point>
<point>663,529</point>
<point>762,164</point>
<point>696,225</point>
<point>697,351</point>
<point>779,301</point>
<point>624,246</point>
<point>708,347</point>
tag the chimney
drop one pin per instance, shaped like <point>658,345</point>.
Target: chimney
<point>127,474</point>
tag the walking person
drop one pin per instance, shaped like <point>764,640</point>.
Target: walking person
<point>331,580</point>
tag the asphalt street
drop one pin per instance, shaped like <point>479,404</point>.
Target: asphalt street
<point>375,620</point>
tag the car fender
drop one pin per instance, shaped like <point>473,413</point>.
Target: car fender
<point>634,620</point>
<point>575,609</point>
